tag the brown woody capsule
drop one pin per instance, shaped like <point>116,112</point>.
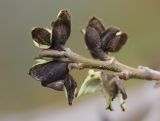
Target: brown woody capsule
<point>41,36</point>
<point>97,24</point>
<point>70,85</point>
<point>51,74</point>
<point>61,29</point>
<point>113,39</point>
<point>93,42</point>
<point>92,38</point>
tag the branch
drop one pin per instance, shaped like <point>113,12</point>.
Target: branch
<point>125,72</point>
<point>99,41</point>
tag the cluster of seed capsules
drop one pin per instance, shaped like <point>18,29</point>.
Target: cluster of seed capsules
<point>55,73</point>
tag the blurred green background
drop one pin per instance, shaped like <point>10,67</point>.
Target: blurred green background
<point>19,92</point>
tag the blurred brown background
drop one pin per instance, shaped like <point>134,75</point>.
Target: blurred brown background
<point>19,92</point>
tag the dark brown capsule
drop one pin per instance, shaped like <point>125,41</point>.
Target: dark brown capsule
<point>61,29</point>
<point>97,24</point>
<point>70,85</point>
<point>41,36</point>
<point>93,42</point>
<point>113,39</point>
<point>51,74</point>
<point>92,38</point>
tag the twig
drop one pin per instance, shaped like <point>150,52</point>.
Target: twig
<point>125,72</point>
